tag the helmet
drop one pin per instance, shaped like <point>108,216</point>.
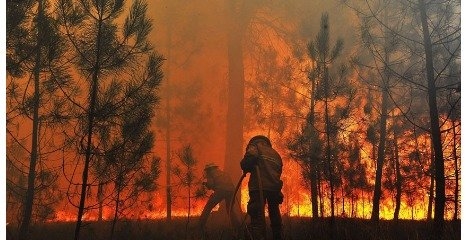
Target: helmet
<point>257,138</point>
<point>210,165</point>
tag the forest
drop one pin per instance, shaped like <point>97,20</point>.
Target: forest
<point>114,107</point>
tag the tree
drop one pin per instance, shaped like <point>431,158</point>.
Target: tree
<point>186,176</point>
<point>34,48</point>
<point>305,147</point>
<point>430,43</point>
<point>129,140</point>
<point>239,15</point>
<point>435,126</point>
<point>382,50</point>
<point>328,86</point>
<point>105,57</point>
<point>355,174</point>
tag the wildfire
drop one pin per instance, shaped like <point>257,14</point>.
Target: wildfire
<point>297,203</point>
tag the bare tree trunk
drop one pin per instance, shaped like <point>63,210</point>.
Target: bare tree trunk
<point>90,125</point>
<point>116,210</point>
<point>343,212</point>
<point>431,186</point>
<point>313,190</point>
<point>313,157</point>
<point>435,128</point>
<point>189,208</point>
<point>398,182</point>
<point>320,196</point>
<point>328,159</point>
<point>100,201</point>
<point>168,130</point>
<point>381,156</point>
<point>456,166</point>
<point>363,205</point>
<point>28,205</point>
<point>236,88</point>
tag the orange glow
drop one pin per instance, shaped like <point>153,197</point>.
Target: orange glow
<point>196,73</point>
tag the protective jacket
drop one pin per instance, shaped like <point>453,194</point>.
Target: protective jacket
<point>220,181</point>
<point>223,187</point>
<point>270,166</point>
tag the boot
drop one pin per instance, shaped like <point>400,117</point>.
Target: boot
<point>257,233</point>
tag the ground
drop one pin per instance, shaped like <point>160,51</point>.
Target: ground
<point>295,228</point>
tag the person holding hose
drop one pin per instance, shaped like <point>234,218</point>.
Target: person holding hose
<point>265,167</point>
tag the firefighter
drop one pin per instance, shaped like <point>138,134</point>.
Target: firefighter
<point>223,189</point>
<point>263,162</point>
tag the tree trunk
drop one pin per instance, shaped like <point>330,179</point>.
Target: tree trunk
<point>381,157</point>
<point>28,205</point>
<point>328,158</point>
<point>116,209</point>
<point>313,157</point>
<point>313,190</point>
<point>236,88</point>
<point>398,180</point>
<point>363,204</point>
<point>320,196</point>
<point>168,129</point>
<point>431,186</point>
<point>343,212</point>
<point>100,201</point>
<point>90,125</point>
<point>456,166</point>
<point>189,207</point>
<point>435,129</point>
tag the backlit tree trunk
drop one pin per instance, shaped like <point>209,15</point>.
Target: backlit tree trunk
<point>431,186</point>
<point>381,156</point>
<point>398,182</point>
<point>168,128</point>
<point>28,205</point>
<point>313,157</point>
<point>435,129</point>
<point>88,155</point>
<point>236,87</point>
<point>456,170</point>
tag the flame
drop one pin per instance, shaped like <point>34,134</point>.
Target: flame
<point>297,200</point>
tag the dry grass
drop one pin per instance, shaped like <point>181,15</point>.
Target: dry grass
<point>295,229</point>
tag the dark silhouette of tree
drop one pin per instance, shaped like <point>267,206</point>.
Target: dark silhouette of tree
<point>354,173</point>
<point>456,147</point>
<point>239,14</point>
<point>34,52</point>
<point>329,86</point>
<point>106,56</point>
<point>127,141</point>
<point>430,46</point>
<point>398,178</point>
<point>186,176</point>
<point>305,147</point>
<point>380,49</point>
<point>381,57</point>
<point>435,126</point>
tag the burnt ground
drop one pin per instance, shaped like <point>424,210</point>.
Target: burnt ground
<point>295,228</point>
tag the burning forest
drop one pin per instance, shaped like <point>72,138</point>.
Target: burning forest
<point>115,109</point>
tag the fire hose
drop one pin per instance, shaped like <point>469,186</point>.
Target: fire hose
<point>261,196</point>
<point>232,201</point>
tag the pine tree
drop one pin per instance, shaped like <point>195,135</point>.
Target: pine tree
<point>106,57</point>
<point>34,52</point>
